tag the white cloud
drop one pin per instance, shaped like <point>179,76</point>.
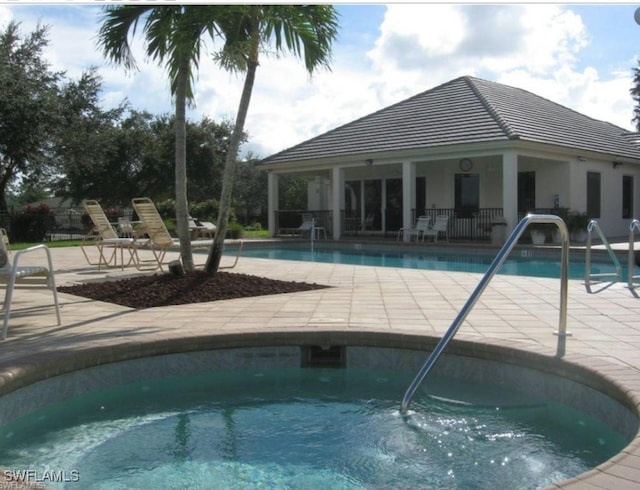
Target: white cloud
<point>5,16</point>
<point>417,46</point>
<point>535,47</point>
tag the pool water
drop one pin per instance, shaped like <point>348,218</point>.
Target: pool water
<point>304,428</point>
<point>519,262</point>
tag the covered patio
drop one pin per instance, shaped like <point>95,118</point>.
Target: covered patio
<point>476,151</point>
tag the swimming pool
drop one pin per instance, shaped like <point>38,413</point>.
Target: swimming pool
<point>286,427</point>
<point>525,262</point>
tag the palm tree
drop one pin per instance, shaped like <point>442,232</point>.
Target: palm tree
<point>174,36</point>
<point>307,31</point>
<point>635,95</point>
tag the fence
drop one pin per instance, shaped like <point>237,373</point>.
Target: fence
<point>37,224</point>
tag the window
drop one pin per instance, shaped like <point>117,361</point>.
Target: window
<point>627,197</point>
<point>593,195</point>
<point>467,198</point>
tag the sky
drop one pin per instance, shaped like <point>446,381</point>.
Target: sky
<point>579,55</point>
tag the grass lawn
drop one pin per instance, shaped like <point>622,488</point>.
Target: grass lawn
<point>248,234</point>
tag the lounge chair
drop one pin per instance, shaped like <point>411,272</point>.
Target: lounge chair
<point>200,229</point>
<point>308,224</point>
<point>160,240</point>
<point>422,225</point>
<point>104,237</point>
<point>439,228</point>
<point>15,276</point>
<point>368,222</point>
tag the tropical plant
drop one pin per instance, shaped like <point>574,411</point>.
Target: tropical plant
<point>174,37</point>
<point>307,31</point>
<point>577,221</point>
<point>635,95</point>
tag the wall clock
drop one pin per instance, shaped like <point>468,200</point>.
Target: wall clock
<point>466,164</point>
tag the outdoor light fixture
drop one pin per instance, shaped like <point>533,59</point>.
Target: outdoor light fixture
<point>368,162</point>
<point>616,164</point>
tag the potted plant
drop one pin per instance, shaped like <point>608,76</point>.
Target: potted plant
<point>577,223</point>
<point>538,232</point>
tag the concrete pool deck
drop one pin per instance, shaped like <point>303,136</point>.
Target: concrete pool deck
<point>517,312</point>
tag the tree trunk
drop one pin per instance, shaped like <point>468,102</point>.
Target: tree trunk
<point>182,205</point>
<point>215,253</point>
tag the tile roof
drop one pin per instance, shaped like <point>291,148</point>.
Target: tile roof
<point>466,110</point>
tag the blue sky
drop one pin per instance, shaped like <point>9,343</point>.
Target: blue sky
<point>578,55</point>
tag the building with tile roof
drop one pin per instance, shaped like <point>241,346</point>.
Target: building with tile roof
<point>471,149</point>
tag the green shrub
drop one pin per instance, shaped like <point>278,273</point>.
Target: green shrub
<point>205,210</point>
<point>234,230</point>
<point>166,209</point>
<point>32,225</point>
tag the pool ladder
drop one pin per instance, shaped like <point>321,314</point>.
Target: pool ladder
<point>491,271</point>
<point>593,226</point>
<point>635,225</point>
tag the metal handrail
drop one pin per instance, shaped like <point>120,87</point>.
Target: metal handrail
<point>493,268</point>
<point>635,224</point>
<point>593,225</point>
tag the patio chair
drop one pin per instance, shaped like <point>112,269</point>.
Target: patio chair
<point>14,276</point>
<point>422,224</point>
<point>440,227</point>
<point>160,240</point>
<point>104,237</point>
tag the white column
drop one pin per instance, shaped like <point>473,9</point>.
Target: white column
<point>337,200</point>
<point>272,201</point>
<point>408,194</point>
<point>510,189</point>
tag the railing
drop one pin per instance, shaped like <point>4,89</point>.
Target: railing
<point>593,225</point>
<point>635,225</point>
<point>493,268</point>
<point>473,226</point>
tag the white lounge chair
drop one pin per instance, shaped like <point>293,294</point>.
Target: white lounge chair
<point>160,240</point>
<point>440,227</point>
<point>423,224</point>
<point>368,222</point>
<point>15,276</point>
<point>308,224</point>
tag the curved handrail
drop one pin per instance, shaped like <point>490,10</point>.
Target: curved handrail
<point>493,268</point>
<point>593,225</point>
<point>635,224</point>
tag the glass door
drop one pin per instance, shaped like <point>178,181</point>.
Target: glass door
<point>393,217</point>
<point>373,204</point>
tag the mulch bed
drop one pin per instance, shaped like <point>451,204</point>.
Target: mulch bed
<point>192,287</point>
